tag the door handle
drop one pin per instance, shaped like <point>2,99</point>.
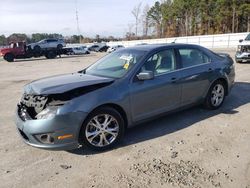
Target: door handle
<point>173,80</point>
<point>210,70</point>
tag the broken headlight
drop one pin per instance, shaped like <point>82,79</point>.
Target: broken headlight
<point>48,112</point>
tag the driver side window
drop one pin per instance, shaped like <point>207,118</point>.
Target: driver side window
<point>160,63</point>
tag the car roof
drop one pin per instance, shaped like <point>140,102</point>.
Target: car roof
<point>149,47</point>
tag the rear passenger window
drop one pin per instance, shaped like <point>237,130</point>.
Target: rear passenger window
<point>192,57</point>
<point>51,40</point>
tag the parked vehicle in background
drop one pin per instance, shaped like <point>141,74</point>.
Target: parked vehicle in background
<point>19,50</point>
<point>80,50</point>
<point>243,51</point>
<point>246,39</point>
<point>114,48</point>
<point>94,106</point>
<point>47,43</point>
<point>103,49</point>
<point>98,47</point>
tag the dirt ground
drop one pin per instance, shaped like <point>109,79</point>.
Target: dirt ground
<point>192,148</point>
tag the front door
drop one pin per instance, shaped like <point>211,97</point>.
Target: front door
<point>160,94</point>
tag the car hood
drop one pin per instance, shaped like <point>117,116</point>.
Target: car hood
<point>4,49</point>
<point>245,42</point>
<point>63,83</point>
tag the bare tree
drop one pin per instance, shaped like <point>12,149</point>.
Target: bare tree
<point>130,34</point>
<point>145,20</point>
<point>136,13</point>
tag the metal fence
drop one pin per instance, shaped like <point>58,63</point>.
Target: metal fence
<point>209,41</point>
<point>3,47</point>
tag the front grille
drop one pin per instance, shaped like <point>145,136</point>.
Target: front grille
<point>23,135</point>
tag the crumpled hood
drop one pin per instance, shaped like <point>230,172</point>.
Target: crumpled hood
<point>63,83</point>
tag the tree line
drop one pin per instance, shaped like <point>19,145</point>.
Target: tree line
<point>172,18</point>
<point>16,37</point>
<point>168,18</point>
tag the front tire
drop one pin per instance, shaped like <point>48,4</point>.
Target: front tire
<point>50,55</point>
<point>216,95</point>
<point>102,130</point>
<point>37,49</point>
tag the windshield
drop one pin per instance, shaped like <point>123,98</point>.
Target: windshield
<point>41,41</point>
<point>248,37</point>
<point>116,64</point>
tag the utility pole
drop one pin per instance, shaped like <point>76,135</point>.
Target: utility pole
<point>77,22</point>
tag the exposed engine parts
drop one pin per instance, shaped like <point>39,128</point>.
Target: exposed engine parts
<point>34,101</point>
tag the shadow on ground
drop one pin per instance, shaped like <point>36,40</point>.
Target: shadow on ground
<point>239,96</point>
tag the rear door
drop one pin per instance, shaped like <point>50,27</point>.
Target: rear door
<point>196,69</point>
<point>159,95</point>
<point>52,43</point>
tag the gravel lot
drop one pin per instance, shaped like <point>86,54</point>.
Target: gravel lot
<point>192,148</point>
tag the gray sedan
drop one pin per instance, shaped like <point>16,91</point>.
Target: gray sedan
<point>93,107</point>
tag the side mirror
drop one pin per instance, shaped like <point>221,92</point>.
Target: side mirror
<point>241,40</point>
<point>145,75</point>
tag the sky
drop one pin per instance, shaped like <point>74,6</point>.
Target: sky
<point>103,17</point>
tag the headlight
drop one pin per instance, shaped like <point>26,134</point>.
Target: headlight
<point>48,112</point>
<point>238,48</point>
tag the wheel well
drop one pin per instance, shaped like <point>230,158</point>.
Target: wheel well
<point>9,53</point>
<point>119,109</point>
<point>223,80</point>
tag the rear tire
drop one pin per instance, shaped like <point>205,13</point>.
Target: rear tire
<point>50,55</point>
<point>9,57</point>
<point>59,46</point>
<point>98,135</point>
<point>216,95</point>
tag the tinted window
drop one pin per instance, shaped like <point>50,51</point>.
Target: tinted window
<point>51,40</point>
<point>192,57</point>
<point>161,62</point>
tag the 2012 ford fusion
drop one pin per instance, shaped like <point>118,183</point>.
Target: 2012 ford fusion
<point>94,107</point>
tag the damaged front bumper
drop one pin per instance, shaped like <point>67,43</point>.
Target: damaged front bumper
<point>242,57</point>
<point>243,54</point>
<point>58,133</point>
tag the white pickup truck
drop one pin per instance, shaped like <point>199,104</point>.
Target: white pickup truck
<point>243,50</point>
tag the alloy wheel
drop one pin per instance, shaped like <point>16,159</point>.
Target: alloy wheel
<point>218,94</point>
<point>102,130</point>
